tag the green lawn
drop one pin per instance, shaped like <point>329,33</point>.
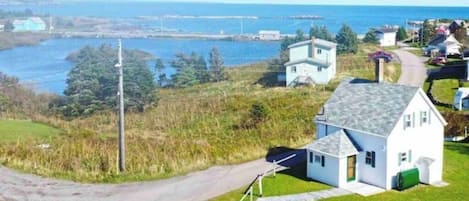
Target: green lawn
<point>444,91</point>
<point>455,173</point>
<point>291,181</point>
<point>12,130</point>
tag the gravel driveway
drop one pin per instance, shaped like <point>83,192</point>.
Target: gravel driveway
<point>413,71</point>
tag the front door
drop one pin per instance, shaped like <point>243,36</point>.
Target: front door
<point>351,167</point>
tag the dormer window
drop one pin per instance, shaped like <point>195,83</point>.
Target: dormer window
<point>423,117</point>
<point>407,121</point>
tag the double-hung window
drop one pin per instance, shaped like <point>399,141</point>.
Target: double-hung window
<point>407,121</point>
<point>370,158</point>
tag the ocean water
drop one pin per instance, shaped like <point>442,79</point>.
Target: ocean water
<point>44,65</point>
<point>360,18</point>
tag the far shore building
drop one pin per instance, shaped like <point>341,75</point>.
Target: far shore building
<point>269,35</point>
<point>29,24</point>
<point>2,28</point>
<point>311,62</point>
<point>386,36</point>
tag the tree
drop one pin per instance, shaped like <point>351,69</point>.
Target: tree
<point>9,27</point>
<point>347,40</point>
<point>186,73</point>
<point>427,32</point>
<point>320,32</point>
<point>401,34</point>
<point>217,71</point>
<point>370,37</point>
<point>92,83</point>
<point>159,69</point>
<point>461,33</point>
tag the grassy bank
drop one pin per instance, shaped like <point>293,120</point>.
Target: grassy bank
<point>456,160</point>
<point>16,130</point>
<point>190,129</point>
<point>10,40</point>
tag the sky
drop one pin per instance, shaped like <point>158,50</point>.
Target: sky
<point>462,3</point>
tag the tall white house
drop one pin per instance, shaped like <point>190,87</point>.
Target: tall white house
<point>311,62</point>
<point>386,36</point>
<point>369,132</point>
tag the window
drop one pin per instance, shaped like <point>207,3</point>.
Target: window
<point>402,157</point>
<point>317,159</point>
<point>319,68</point>
<point>423,117</point>
<point>310,157</point>
<point>319,51</point>
<point>293,69</point>
<point>370,158</point>
<point>407,121</point>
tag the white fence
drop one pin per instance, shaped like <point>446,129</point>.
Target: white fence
<point>273,171</point>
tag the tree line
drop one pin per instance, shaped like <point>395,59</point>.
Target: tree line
<point>192,69</point>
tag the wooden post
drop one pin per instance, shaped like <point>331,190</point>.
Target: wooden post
<point>250,193</point>
<point>275,166</point>
<point>260,185</point>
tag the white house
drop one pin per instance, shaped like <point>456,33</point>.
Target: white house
<point>451,45</point>
<point>370,131</point>
<point>269,35</point>
<point>311,62</point>
<point>386,36</point>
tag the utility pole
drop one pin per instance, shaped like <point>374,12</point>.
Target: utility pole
<point>121,111</point>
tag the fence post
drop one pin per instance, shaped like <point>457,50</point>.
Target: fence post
<point>250,193</point>
<point>275,166</point>
<point>260,185</point>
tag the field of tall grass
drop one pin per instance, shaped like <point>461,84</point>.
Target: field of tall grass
<point>190,129</point>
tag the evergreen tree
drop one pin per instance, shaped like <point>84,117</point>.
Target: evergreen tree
<point>92,83</point>
<point>347,40</point>
<point>159,69</point>
<point>401,34</point>
<point>217,71</point>
<point>186,72</point>
<point>370,37</point>
<point>9,27</point>
<point>427,32</point>
<point>320,32</point>
<point>201,69</point>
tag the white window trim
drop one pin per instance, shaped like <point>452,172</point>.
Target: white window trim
<point>407,121</point>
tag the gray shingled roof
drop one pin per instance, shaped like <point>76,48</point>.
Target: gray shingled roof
<point>367,106</point>
<point>336,144</point>
<point>317,41</point>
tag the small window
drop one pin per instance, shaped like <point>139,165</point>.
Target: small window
<point>403,157</point>
<point>319,51</point>
<point>319,68</point>
<point>407,121</point>
<point>423,117</point>
<point>293,69</point>
<point>310,157</point>
<point>317,159</point>
<point>370,158</point>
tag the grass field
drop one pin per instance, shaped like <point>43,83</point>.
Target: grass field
<point>190,129</point>
<point>444,91</point>
<point>291,181</point>
<point>14,130</point>
<point>455,173</point>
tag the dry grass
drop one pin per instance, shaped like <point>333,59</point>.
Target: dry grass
<point>190,129</point>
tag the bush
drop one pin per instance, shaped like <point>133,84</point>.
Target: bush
<point>456,123</point>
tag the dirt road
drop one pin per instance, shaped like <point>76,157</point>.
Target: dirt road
<point>413,71</point>
<point>201,185</point>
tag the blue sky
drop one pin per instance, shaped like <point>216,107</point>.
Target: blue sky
<point>461,3</point>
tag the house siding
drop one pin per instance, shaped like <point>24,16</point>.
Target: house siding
<point>366,142</point>
<point>328,173</point>
<point>308,69</point>
<point>387,39</point>
<point>424,140</point>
